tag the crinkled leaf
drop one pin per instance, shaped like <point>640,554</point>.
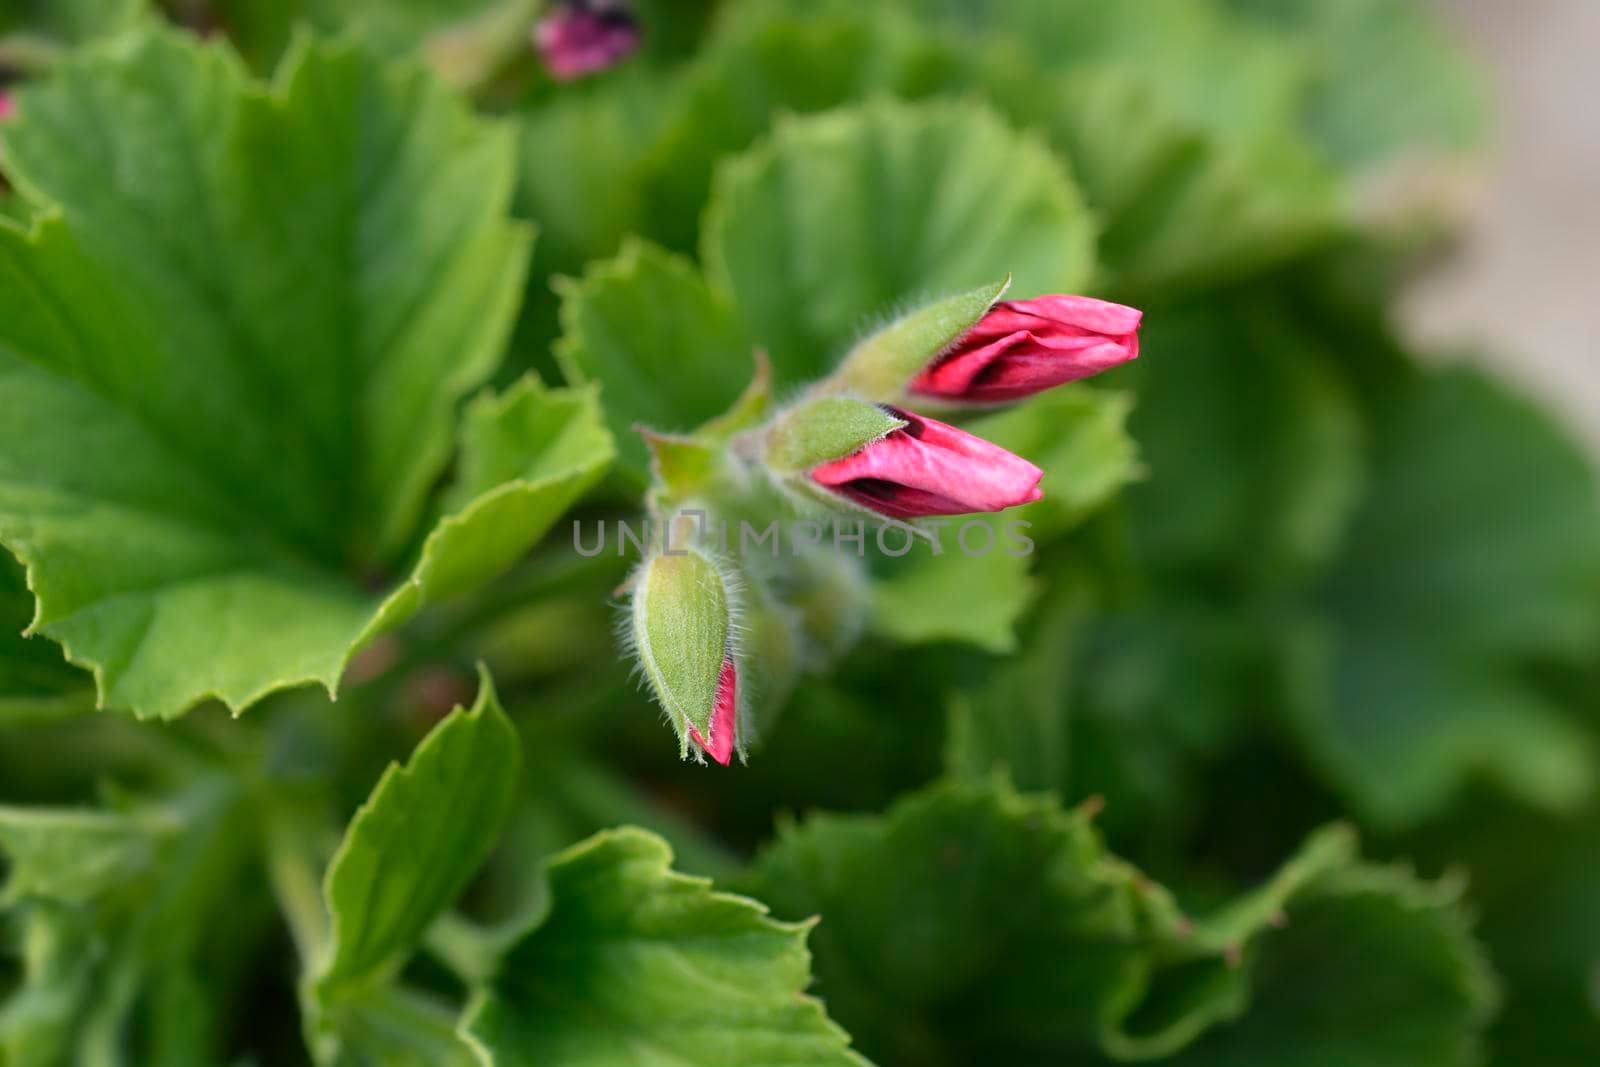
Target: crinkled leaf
<point>1078,956</point>
<point>966,895</point>
<point>841,216</point>
<point>418,840</point>
<point>315,275</point>
<point>667,350</point>
<point>1356,945</point>
<point>634,960</point>
<point>764,62</point>
<point>1535,886</point>
<point>35,682</point>
<point>1475,556</point>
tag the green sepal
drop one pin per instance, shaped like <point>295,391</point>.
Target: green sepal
<point>880,365</point>
<point>823,429</point>
<point>682,627</point>
<point>679,465</point>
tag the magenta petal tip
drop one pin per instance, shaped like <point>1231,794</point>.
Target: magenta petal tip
<point>583,37</point>
<point>724,717</point>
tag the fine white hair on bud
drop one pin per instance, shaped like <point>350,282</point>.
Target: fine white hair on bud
<point>683,630</point>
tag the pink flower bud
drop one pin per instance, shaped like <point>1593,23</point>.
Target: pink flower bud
<point>724,719</point>
<point>930,468</point>
<point>584,37</point>
<point>1022,347</point>
<point>7,107</point>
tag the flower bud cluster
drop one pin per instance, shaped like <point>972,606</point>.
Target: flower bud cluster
<point>850,443</point>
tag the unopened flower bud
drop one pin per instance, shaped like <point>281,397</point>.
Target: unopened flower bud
<point>926,467</point>
<point>682,631</point>
<point>1022,347</point>
<point>825,428</point>
<point>879,367</point>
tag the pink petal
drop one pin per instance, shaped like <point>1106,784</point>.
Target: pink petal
<point>724,718</point>
<point>1024,347</point>
<point>932,468</point>
<point>574,42</point>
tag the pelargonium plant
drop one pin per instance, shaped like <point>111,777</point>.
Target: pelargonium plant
<point>1091,633</point>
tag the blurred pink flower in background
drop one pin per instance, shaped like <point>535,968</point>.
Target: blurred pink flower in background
<point>585,37</point>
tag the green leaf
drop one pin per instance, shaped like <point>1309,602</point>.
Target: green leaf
<point>1535,886</point>
<point>1059,944</point>
<point>1182,207</point>
<point>1080,957</point>
<point>35,682</point>
<point>977,596</point>
<point>75,856</point>
<point>667,350</point>
<point>1355,943</point>
<point>1390,80</point>
<point>973,594</point>
<point>764,62</point>
<point>1212,69</point>
<point>1475,557</point>
<point>527,455</point>
<point>33,22</point>
<point>417,841</point>
<point>1181,123</point>
<point>580,162</point>
<point>1199,981</point>
<point>1252,442</point>
<point>634,961</point>
<point>402,25</point>
<point>392,1027</point>
<point>316,276</point>
<point>1079,436</point>
<point>1015,720</point>
<point>120,913</point>
<point>841,216</point>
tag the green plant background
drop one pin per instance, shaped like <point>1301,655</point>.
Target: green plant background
<point>320,322</point>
